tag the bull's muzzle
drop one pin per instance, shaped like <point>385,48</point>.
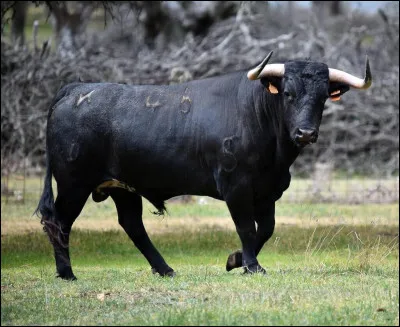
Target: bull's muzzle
<point>306,136</point>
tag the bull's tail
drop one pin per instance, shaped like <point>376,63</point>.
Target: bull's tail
<point>46,208</point>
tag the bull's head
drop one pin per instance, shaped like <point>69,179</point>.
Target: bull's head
<point>304,86</point>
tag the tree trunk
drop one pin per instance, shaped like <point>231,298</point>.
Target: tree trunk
<point>18,23</point>
<point>324,9</point>
<point>336,8</point>
<point>69,26</point>
<point>168,21</point>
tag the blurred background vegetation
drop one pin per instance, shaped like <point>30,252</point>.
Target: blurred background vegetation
<point>333,259</point>
<point>48,44</point>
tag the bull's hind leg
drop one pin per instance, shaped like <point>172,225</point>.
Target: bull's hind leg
<point>68,206</point>
<point>129,208</point>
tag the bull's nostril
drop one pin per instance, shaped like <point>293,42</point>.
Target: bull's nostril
<point>307,132</point>
<point>306,135</point>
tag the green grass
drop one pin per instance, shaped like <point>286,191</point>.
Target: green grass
<point>335,275</point>
<point>327,263</point>
<point>300,206</point>
<point>88,247</point>
<point>203,296</point>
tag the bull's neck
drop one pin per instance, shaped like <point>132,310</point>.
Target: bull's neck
<point>269,111</point>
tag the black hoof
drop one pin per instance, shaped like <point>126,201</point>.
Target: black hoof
<point>67,277</point>
<point>99,196</point>
<point>234,260</point>
<point>66,274</point>
<point>254,269</point>
<point>166,273</point>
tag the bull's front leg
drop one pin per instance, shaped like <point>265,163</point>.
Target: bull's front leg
<point>240,205</point>
<point>265,218</point>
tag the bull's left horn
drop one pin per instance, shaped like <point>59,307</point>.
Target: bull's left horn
<point>336,75</point>
<point>263,70</point>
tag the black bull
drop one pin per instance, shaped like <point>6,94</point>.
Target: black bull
<point>228,137</point>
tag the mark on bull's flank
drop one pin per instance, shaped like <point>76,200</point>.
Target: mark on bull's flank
<point>73,152</point>
<point>185,98</point>
<point>81,98</point>
<point>185,104</point>
<point>152,105</point>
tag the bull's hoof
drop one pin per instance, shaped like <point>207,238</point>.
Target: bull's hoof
<point>254,269</point>
<point>99,196</point>
<point>234,260</point>
<point>166,273</point>
<point>67,274</point>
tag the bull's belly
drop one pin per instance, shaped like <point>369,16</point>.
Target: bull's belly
<point>100,193</point>
<point>158,184</point>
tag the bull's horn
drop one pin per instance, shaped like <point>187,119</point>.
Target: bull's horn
<point>264,70</point>
<point>336,75</point>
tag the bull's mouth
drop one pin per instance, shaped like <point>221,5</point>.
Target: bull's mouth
<point>302,144</point>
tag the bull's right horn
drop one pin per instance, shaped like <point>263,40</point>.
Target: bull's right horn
<point>264,70</point>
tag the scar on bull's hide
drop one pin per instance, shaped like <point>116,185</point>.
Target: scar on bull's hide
<point>185,104</point>
<point>227,158</point>
<point>73,152</point>
<point>81,98</point>
<point>152,105</point>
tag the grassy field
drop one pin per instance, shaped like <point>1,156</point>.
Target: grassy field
<point>328,264</point>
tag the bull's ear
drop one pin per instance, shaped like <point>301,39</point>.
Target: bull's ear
<point>337,89</point>
<point>272,84</point>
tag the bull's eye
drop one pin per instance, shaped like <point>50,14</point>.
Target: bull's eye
<point>289,95</point>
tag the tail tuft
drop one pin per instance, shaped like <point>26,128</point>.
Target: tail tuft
<point>161,209</point>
